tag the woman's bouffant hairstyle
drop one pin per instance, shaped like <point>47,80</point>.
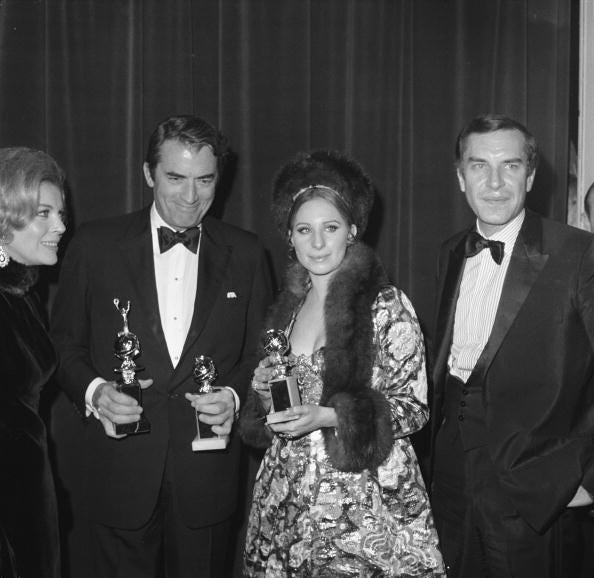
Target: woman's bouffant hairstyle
<point>22,170</point>
<point>322,174</point>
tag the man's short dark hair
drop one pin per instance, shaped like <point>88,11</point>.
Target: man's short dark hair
<point>490,123</point>
<point>191,131</point>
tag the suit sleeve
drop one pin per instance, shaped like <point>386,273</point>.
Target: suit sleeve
<point>69,325</point>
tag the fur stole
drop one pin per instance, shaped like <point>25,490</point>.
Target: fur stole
<point>363,438</point>
<point>17,279</point>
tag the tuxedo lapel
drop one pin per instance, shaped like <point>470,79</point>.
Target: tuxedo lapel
<point>526,263</point>
<point>214,259</point>
<point>137,250</point>
<point>447,305</point>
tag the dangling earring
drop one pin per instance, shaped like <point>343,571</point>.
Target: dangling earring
<point>4,258</point>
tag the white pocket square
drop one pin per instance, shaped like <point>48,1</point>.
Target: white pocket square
<point>231,295</point>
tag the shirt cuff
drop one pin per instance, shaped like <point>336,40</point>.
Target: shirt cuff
<point>235,398</point>
<point>91,409</point>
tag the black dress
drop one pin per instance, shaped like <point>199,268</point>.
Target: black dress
<point>28,512</point>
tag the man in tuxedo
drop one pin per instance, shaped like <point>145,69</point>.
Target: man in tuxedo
<point>195,286</point>
<point>513,370</point>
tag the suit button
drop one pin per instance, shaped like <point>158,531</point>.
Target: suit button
<point>460,418</point>
<point>465,391</point>
<point>463,403</point>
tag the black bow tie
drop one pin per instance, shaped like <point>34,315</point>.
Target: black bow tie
<point>475,244</point>
<point>168,238</point>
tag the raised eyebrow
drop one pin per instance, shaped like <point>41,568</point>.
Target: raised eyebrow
<point>207,176</point>
<point>174,174</point>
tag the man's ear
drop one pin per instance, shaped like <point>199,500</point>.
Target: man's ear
<point>147,175</point>
<point>530,181</point>
<point>461,181</point>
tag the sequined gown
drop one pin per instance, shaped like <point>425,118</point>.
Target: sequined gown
<point>28,511</point>
<point>309,519</point>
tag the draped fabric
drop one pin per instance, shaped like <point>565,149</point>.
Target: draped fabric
<point>388,81</point>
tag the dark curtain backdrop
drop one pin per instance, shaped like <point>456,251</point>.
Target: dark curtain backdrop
<point>389,81</point>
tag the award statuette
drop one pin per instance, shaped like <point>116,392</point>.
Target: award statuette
<point>126,348</point>
<point>284,390</point>
<point>204,375</point>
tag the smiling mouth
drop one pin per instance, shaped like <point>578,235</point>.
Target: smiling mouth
<point>496,201</point>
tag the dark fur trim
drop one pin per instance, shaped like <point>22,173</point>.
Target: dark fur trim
<point>17,279</point>
<point>251,425</point>
<point>364,433</point>
<point>365,430</point>
<point>363,438</point>
<point>253,431</point>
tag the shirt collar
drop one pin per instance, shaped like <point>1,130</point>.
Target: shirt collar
<point>508,234</point>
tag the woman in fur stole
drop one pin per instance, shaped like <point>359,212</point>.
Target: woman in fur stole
<point>339,491</point>
<point>31,226</point>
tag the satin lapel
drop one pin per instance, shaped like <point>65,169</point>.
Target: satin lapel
<point>137,251</point>
<point>447,306</point>
<point>214,259</point>
<point>526,263</point>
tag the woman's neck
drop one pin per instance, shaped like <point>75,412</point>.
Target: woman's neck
<point>319,286</point>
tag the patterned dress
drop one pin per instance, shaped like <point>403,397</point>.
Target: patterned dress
<point>310,519</point>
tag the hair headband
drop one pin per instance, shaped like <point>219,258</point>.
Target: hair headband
<point>319,187</point>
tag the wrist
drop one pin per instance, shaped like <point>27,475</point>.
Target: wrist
<point>329,417</point>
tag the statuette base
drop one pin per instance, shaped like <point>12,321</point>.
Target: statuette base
<point>284,394</point>
<point>208,444</point>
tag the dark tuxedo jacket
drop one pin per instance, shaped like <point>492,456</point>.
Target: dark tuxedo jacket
<point>536,372</point>
<point>113,258</point>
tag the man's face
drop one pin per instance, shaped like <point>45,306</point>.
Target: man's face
<point>493,174</point>
<point>183,183</point>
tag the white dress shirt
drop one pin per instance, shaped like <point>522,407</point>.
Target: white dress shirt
<point>176,274</point>
<point>476,308</point>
